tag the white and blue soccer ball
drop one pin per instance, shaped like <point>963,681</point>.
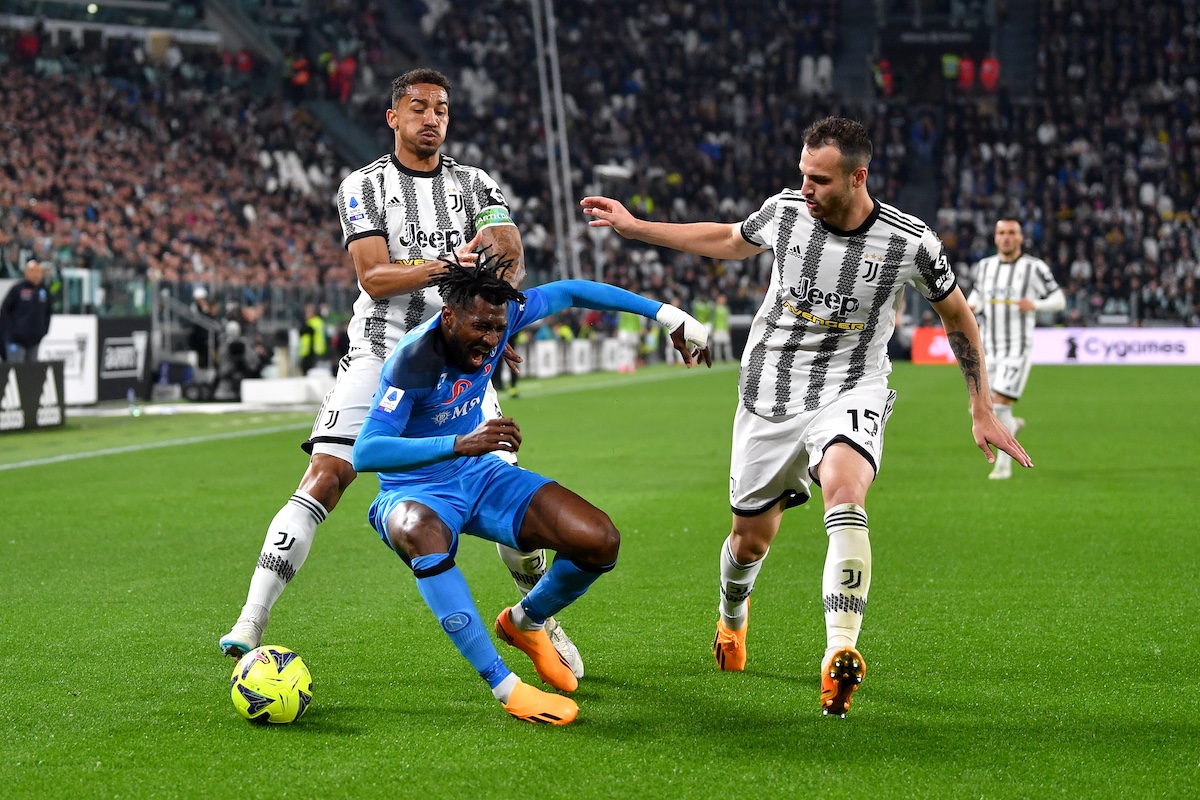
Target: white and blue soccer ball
<point>271,684</point>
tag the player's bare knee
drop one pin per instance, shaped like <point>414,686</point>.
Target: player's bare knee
<point>414,530</point>
<point>327,479</point>
<point>603,542</point>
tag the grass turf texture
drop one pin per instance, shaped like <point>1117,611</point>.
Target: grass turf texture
<point>1029,637</point>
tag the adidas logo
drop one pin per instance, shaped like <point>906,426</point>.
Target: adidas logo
<point>395,201</point>
<point>48,412</point>
<point>12,416</point>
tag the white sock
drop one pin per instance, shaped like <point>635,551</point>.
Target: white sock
<point>526,568</point>
<point>522,620</point>
<point>737,581</point>
<point>847,576</point>
<point>287,544</point>
<point>504,688</point>
<point>1004,413</point>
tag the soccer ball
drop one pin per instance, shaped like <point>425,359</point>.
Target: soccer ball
<point>271,684</point>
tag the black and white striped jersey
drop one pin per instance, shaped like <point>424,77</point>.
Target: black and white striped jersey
<point>423,215</point>
<point>999,287</point>
<point>830,309</point>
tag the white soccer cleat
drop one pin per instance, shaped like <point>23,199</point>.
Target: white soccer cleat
<point>565,647</point>
<point>1002,471</point>
<point>1019,425</point>
<point>244,637</point>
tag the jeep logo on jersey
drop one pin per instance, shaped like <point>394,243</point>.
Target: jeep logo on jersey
<point>442,240</point>
<point>839,304</point>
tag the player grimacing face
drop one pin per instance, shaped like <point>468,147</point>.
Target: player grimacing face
<point>420,119</point>
<point>472,333</point>
<point>827,189</point>
<point>1009,239</point>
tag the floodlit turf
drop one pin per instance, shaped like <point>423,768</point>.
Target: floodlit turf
<point>1025,638</point>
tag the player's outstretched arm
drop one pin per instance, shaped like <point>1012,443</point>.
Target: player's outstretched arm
<point>380,448</point>
<point>963,335</point>
<point>710,239</point>
<point>688,334</point>
<point>380,277</point>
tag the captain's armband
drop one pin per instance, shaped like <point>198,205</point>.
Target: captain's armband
<point>493,215</point>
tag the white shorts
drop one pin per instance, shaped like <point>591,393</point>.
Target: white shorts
<point>1007,376</point>
<point>776,458</point>
<point>346,405</point>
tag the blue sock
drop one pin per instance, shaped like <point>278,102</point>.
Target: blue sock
<point>445,591</point>
<point>563,584</point>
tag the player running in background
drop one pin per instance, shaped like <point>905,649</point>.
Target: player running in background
<point>441,473</point>
<point>813,384</point>
<point>402,215</point>
<point>1010,288</point>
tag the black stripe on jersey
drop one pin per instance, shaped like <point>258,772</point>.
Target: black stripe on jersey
<point>1024,293</point>
<point>756,363</point>
<point>993,312</point>
<point>884,291</point>
<point>470,183</point>
<point>372,209</point>
<point>440,209</point>
<point>375,328</point>
<point>1008,308</point>
<point>757,222</point>
<point>412,216</point>
<point>924,263</point>
<point>341,205</point>
<point>819,370</point>
<point>896,220</point>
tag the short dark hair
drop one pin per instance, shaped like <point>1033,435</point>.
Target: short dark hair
<point>414,76</point>
<point>460,284</point>
<point>848,136</point>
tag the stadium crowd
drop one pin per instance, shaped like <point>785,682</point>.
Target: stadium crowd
<point>1106,183</point>
<point>181,172</point>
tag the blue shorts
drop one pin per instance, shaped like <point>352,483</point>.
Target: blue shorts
<point>483,496</point>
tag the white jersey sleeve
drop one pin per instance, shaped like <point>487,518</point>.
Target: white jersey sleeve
<point>359,201</point>
<point>934,278</point>
<point>759,228</point>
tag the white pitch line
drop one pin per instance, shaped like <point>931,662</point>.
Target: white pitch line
<point>135,448</point>
<point>626,380</point>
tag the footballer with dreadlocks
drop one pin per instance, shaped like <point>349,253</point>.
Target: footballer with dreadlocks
<point>440,475</point>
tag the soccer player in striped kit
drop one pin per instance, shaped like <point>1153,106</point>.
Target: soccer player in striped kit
<point>402,216</point>
<point>814,397</point>
<point>1010,288</point>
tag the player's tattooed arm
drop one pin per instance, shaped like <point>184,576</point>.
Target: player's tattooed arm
<point>505,241</point>
<point>969,361</point>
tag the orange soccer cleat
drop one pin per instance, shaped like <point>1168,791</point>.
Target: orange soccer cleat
<point>729,647</point>
<point>533,705</point>
<point>549,663</point>
<point>841,675</point>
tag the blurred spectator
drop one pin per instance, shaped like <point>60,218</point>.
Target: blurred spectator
<point>25,315</point>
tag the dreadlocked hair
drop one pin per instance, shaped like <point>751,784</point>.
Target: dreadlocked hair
<point>461,284</point>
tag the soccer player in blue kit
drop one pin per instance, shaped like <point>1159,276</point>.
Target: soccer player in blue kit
<point>440,477</point>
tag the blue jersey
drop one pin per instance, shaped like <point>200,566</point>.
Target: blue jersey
<point>423,403</point>
<point>421,396</point>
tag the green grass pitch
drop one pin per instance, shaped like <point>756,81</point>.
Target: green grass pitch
<point>1036,637</point>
